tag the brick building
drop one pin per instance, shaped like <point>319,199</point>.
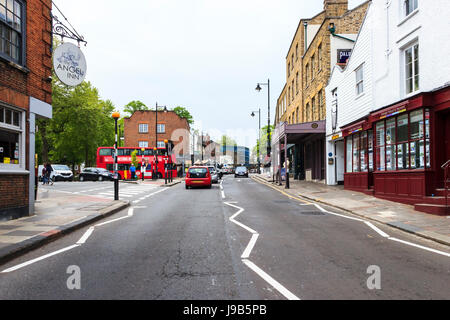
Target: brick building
<point>25,93</point>
<point>319,43</point>
<point>140,131</point>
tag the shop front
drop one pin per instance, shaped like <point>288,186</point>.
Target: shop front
<point>305,145</point>
<point>359,156</point>
<point>397,152</point>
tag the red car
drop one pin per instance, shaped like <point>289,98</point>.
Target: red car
<point>198,177</point>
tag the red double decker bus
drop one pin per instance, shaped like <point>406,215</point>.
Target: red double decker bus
<point>105,159</point>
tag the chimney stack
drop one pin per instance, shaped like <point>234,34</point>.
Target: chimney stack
<point>335,8</point>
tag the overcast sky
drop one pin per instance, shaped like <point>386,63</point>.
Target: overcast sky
<point>205,55</point>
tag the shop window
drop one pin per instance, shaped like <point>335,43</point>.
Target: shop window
<point>356,146</point>
<point>363,152</point>
<point>10,138</point>
<point>380,154</point>
<point>391,154</point>
<point>349,155</point>
<point>370,149</point>
<point>402,143</point>
<point>12,26</point>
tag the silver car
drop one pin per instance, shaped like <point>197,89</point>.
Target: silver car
<point>214,174</point>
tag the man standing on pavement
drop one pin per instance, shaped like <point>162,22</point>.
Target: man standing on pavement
<point>48,172</point>
<point>133,171</point>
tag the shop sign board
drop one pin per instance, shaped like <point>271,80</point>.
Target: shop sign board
<point>69,64</point>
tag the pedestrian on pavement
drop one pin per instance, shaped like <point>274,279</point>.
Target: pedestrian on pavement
<point>44,173</point>
<point>133,171</point>
<point>48,172</point>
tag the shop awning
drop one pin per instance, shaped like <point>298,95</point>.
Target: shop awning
<point>295,132</point>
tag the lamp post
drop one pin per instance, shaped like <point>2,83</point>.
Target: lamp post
<point>166,143</point>
<point>116,116</point>
<point>259,137</point>
<point>155,173</point>
<point>258,88</point>
<point>156,136</point>
<point>143,164</point>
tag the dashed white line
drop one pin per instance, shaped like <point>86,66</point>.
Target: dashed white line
<point>251,244</point>
<point>421,247</point>
<point>381,233</point>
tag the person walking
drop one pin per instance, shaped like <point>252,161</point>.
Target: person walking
<point>44,173</point>
<point>48,172</point>
<point>133,171</point>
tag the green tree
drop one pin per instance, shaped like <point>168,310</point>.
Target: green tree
<point>134,160</point>
<point>81,123</point>
<point>184,113</point>
<point>263,142</point>
<point>227,141</point>
<point>134,106</point>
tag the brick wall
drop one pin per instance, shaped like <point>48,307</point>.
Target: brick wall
<point>17,84</point>
<point>177,129</point>
<point>13,196</point>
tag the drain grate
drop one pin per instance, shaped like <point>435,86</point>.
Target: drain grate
<point>312,213</point>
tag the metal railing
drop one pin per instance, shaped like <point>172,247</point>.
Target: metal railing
<point>446,168</point>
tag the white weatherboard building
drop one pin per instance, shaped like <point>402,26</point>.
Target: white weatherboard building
<point>388,109</point>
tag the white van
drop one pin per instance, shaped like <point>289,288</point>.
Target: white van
<point>60,172</point>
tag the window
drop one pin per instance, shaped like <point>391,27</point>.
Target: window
<point>412,69</point>
<point>296,52</point>
<point>11,138</point>
<point>143,144</point>
<point>292,61</point>
<point>358,147</point>
<point>289,69</point>
<point>297,117</point>
<point>319,57</point>
<point>403,142</point>
<point>312,66</point>
<point>292,90</point>
<point>308,112</point>
<point>306,74</point>
<point>296,82</point>
<point>161,144</point>
<point>410,6</point>
<point>105,152</point>
<point>143,128</point>
<point>313,109</point>
<point>359,80</point>
<point>161,128</point>
<point>11,29</point>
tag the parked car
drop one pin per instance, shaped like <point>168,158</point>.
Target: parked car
<point>214,174</point>
<point>95,174</point>
<point>60,172</point>
<point>241,172</point>
<point>198,176</point>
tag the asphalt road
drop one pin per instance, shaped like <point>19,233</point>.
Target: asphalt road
<point>181,244</point>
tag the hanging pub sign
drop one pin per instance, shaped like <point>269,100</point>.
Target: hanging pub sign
<point>343,55</point>
<point>69,64</point>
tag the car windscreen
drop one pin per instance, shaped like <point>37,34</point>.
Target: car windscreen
<point>60,167</point>
<point>241,169</point>
<point>198,172</point>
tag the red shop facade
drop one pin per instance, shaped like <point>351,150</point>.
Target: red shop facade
<point>396,153</point>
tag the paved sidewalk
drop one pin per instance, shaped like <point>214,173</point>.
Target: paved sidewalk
<point>57,213</point>
<point>394,214</point>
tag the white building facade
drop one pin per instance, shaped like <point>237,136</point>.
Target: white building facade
<point>388,111</point>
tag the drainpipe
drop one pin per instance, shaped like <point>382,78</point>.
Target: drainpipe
<point>305,24</point>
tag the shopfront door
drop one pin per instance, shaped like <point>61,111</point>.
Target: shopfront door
<point>340,161</point>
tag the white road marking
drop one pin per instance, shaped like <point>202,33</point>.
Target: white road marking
<point>336,214</point>
<point>246,254</point>
<point>381,233</point>
<point>19,266</point>
<point>251,244</point>
<point>223,194</point>
<point>285,292</point>
<point>85,236</point>
<point>421,247</point>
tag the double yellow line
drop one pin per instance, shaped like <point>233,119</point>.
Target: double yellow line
<point>281,191</point>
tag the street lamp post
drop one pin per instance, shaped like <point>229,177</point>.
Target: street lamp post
<point>259,137</point>
<point>116,116</point>
<point>155,173</point>
<point>258,88</point>
<point>143,164</point>
<point>156,136</point>
<point>166,143</point>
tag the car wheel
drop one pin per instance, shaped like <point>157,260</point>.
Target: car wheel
<point>100,178</point>
<point>81,178</point>
<point>187,187</point>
